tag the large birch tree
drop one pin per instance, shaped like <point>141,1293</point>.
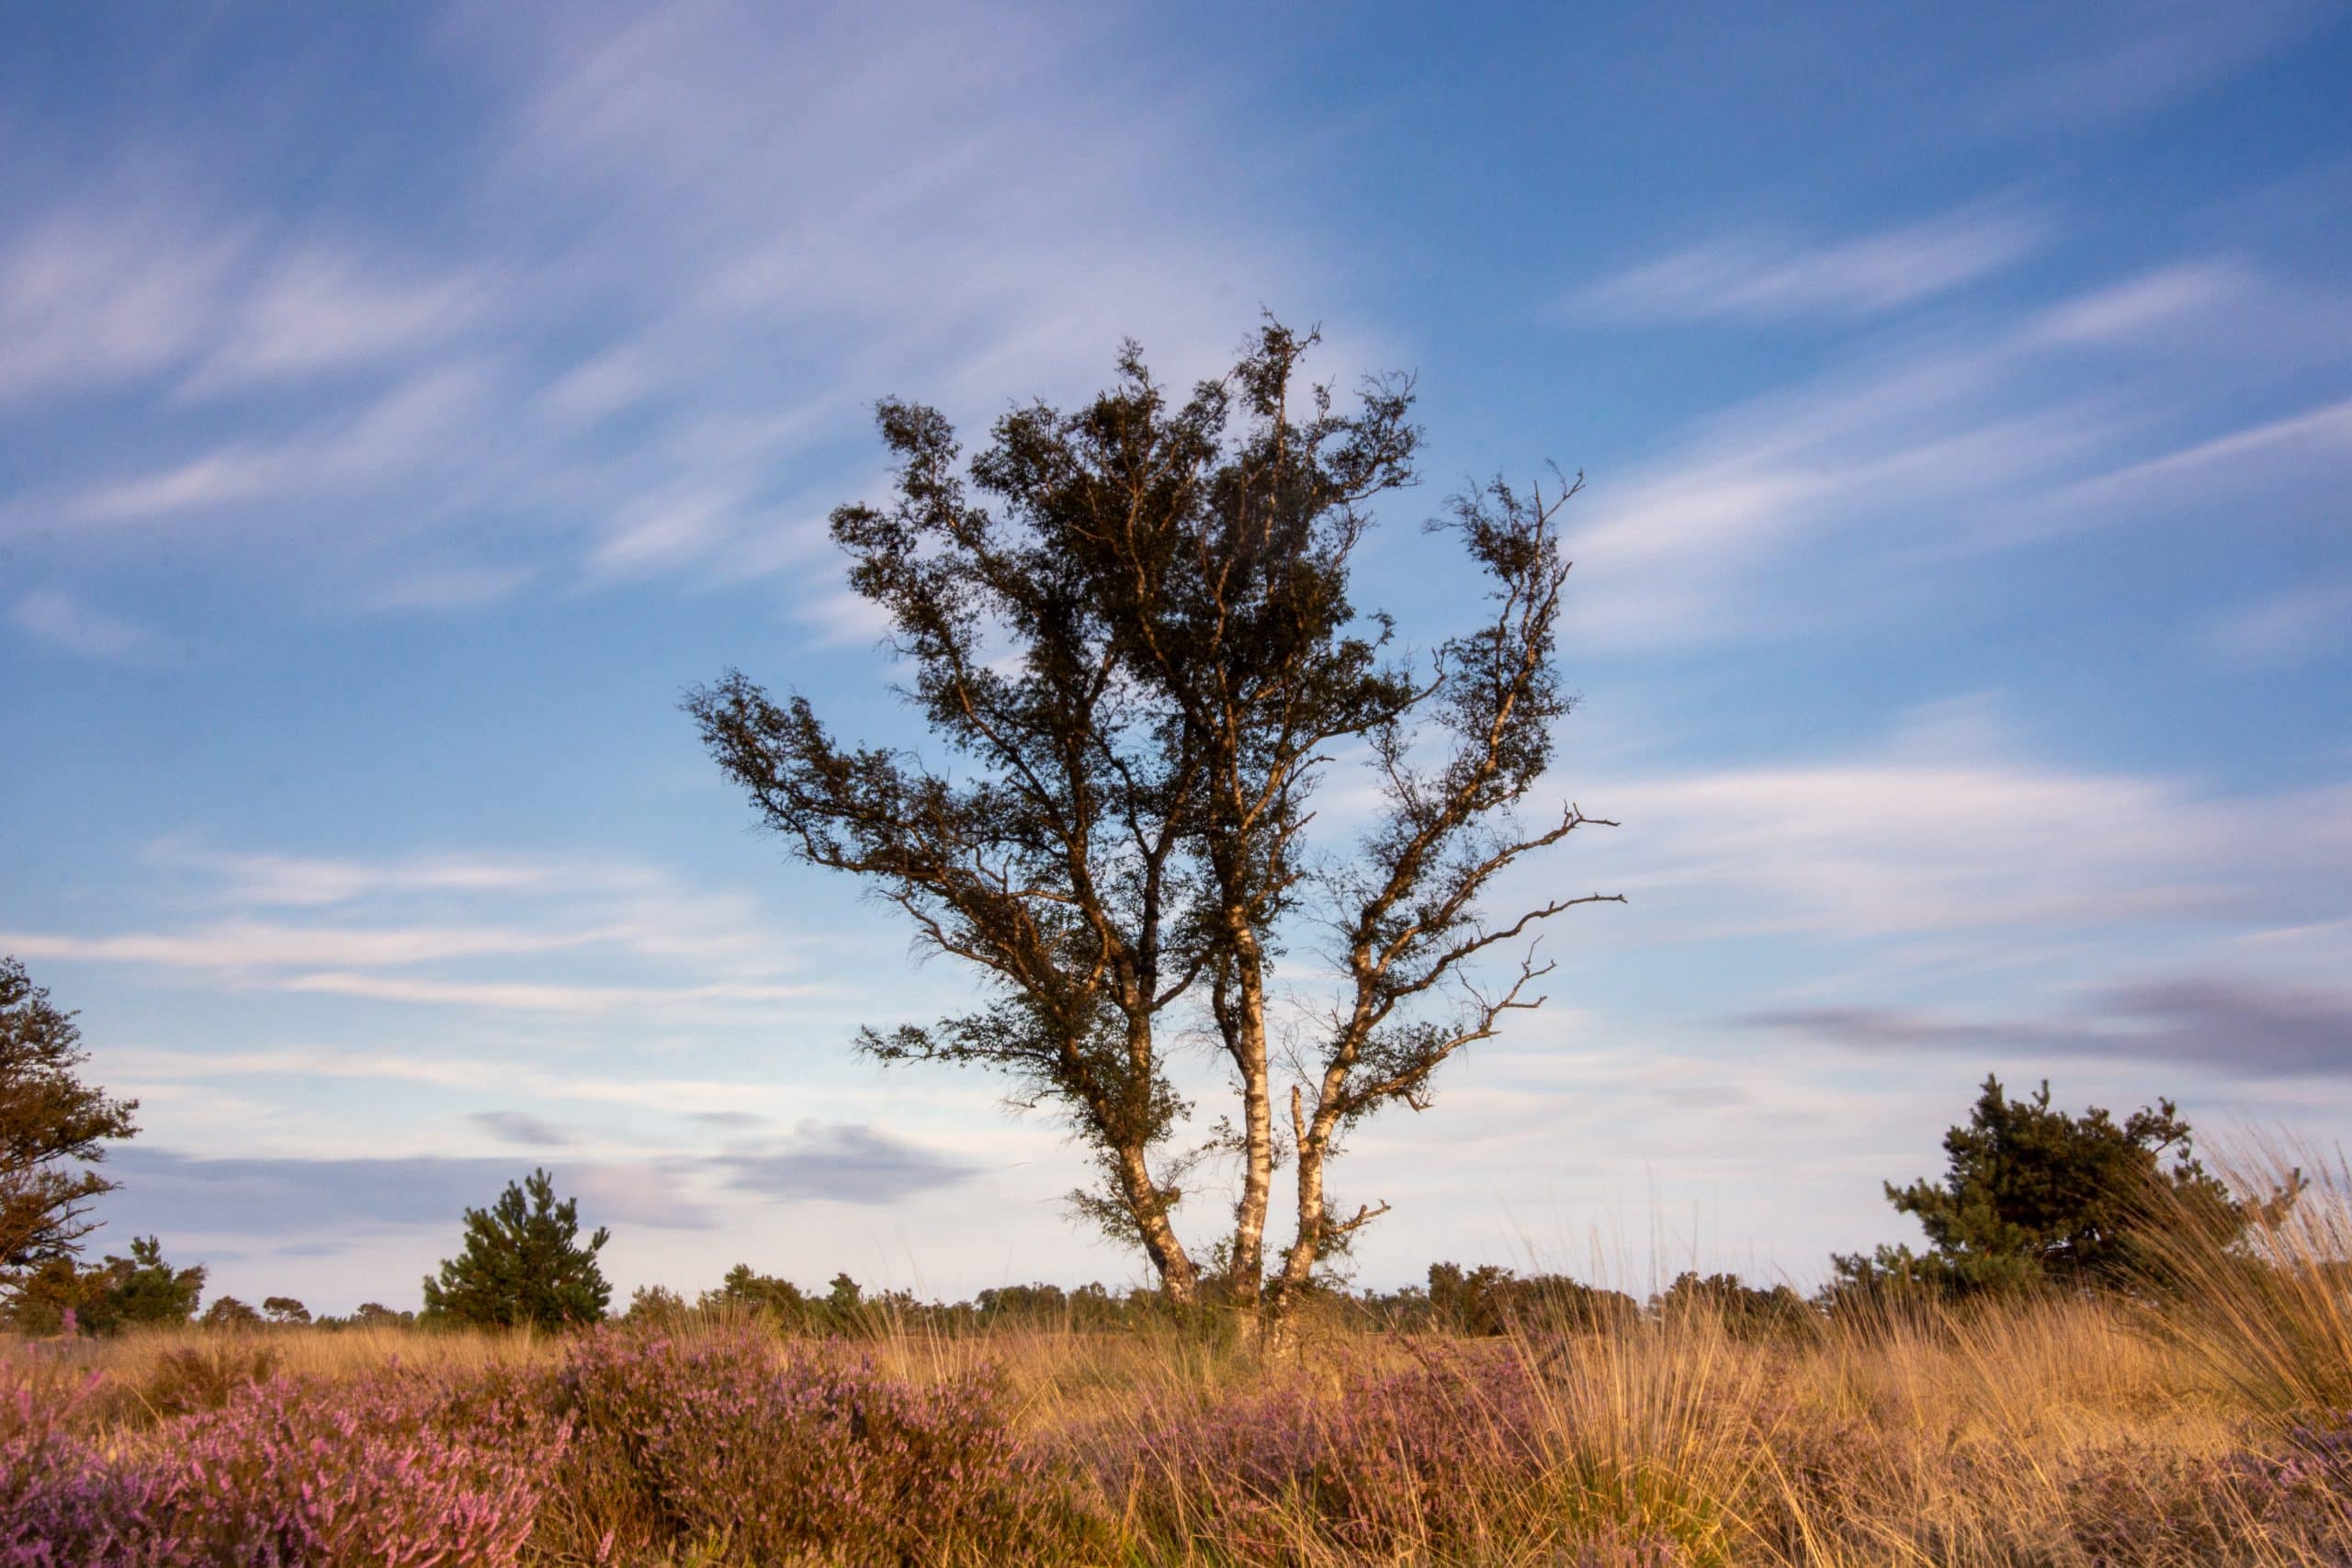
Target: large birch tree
<point>1130,626</point>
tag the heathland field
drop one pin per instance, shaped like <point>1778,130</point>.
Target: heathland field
<point>2201,1419</point>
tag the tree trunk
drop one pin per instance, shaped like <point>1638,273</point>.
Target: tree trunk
<point>1179,1281</point>
<point>1314,1141</point>
<point>1245,1270</point>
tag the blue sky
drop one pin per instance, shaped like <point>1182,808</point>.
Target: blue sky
<point>399,408</point>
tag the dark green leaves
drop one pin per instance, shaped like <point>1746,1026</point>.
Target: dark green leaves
<point>53,1127</point>
<point>522,1264</point>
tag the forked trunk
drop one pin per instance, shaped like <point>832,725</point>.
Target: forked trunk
<point>1314,1145</point>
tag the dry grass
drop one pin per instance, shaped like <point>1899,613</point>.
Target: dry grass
<point>2048,1432</point>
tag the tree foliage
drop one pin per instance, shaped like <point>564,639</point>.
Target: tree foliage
<point>1742,1309</point>
<point>53,1129</point>
<point>523,1264</point>
<point>108,1296</point>
<point>228,1311</point>
<point>2032,1195</point>
<point>1130,624</point>
<point>744,1289</point>
<point>1490,1300</point>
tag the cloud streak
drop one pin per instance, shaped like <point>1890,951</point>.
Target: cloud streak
<point>2139,58</point>
<point>2284,629</point>
<point>1771,279</point>
<point>520,1129</point>
<point>2234,1025</point>
<point>563,937</point>
<point>844,1164</point>
<point>170,1192</point>
<point>64,621</point>
<point>894,199</point>
<point>1803,511</point>
<point>1943,828</point>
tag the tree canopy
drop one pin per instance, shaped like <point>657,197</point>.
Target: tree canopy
<point>107,1296</point>
<point>53,1129</point>
<point>523,1264</point>
<point>1130,624</point>
<point>2033,1195</point>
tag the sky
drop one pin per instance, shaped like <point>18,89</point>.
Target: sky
<point>400,407</point>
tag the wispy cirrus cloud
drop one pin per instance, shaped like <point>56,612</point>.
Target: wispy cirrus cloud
<point>2310,444</point>
<point>2283,629</point>
<point>842,1164</point>
<point>316,881</point>
<point>242,946</point>
<point>709,1101</point>
<point>319,310</point>
<point>1952,826</point>
<point>1768,277</point>
<point>549,996</point>
<point>521,1128</point>
<point>145,286</point>
<point>65,620</point>
<point>887,200</point>
<point>174,1193</point>
<point>2130,57</point>
<point>565,938</point>
<point>92,296</point>
<point>1795,512</point>
<point>381,439</point>
<point>2234,1024</point>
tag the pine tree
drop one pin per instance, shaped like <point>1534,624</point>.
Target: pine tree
<point>523,1264</point>
<point>2034,1196</point>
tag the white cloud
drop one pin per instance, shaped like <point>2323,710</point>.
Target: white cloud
<point>147,287</point>
<point>1833,498</point>
<point>409,424</point>
<point>2139,55</point>
<point>658,533</point>
<point>465,586</point>
<point>1950,829</point>
<point>319,309</point>
<point>267,879</point>
<point>770,222</point>
<point>843,618</point>
<point>2282,629</point>
<point>2319,437</point>
<point>239,946</point>
<point>96,294</point>
<point>579,939</point>
<point>546,997</point>
<point>1770,278</point>
<point>64,621</point>
<point>217,478</point>
<point>1891,461</point>
<point>2126,311</point>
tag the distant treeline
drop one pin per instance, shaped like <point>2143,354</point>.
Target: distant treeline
<point>1471,1301</point>
<point>1477,1301</point>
